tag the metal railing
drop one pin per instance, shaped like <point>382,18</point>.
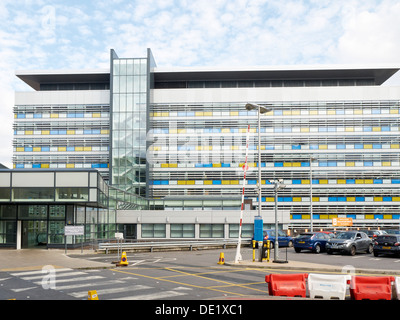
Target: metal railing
<point>109,247</point>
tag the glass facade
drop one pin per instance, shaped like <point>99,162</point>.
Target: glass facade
<point>129,88</point>
<point>61,136</point>
<point>349,148</point>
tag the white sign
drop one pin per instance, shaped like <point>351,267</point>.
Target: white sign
<point>74,231</point>
<point>119,235</point>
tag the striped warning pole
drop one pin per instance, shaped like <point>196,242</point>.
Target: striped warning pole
<point>238,256</point>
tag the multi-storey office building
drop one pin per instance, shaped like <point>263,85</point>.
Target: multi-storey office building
<point>178,138</point>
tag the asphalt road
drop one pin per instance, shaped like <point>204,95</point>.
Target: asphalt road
<point>179,275</point>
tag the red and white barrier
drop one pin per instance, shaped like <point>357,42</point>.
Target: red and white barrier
<point>289,285</point>
<point>327,287</point>
<point>371,288</point>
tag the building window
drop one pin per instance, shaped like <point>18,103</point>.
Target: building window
<point>5,194</point>
<point>57,212</point>
<point>36,194</point>
<point>247,230</point>
<point>152,230</point>
<point>72,194</point>
<point>182,231</point>
<point>211,231</point>
<point>8,211</point>
<point>34,211</point>
<point>8,232</point>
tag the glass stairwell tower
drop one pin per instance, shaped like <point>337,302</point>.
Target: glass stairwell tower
<point>130,94</point>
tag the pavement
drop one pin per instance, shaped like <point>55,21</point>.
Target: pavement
<point>36,259</point>
<point>310,267</point>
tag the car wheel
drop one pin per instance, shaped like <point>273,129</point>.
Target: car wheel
<point>317,248</point>
<point>298,250</point>
<point>290,244</point>
<point>370,249</point>
<point>376,254</point>
<point>329,251</point>
<point>353,251</point>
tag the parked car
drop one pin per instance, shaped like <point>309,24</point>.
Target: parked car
<point>350,242</point>
<point>393,231</point>
<point>387,244</point>
<point>314,241</point>
<point>283,239</point>
<point>374,233</point>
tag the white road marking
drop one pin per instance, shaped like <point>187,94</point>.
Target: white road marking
<point>153,296</point>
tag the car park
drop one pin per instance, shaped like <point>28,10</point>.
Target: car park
<point>283,239</point>
<point>387,244</point>
<point>350,242</point>
<point>314,241</point>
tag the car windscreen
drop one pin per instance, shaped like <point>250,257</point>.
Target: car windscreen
<point>386,238</point>
<point>345,235</point>
<point>304,236</point>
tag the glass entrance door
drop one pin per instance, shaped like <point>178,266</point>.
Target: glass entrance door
<point>34,234</point>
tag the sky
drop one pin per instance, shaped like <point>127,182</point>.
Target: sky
<point>78,34</point>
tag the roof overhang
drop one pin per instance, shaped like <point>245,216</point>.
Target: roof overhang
<point>379,74</point>
<point>35,78</point>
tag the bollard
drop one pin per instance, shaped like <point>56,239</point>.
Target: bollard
<point>254,250</point>
<point>268,249</point>
<point>265,249</point>
<point>260,249</point>
<point>92,295</point>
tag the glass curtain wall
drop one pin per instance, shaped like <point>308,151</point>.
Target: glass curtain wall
<point>129,99</point>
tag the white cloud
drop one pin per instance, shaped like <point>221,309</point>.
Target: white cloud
<point>57,34</point>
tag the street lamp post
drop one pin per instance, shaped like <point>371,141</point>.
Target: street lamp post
<point>311,195</point>
<point>261,109</point>
<point>278,185</point>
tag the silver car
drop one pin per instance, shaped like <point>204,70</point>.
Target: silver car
<point>350,242</point>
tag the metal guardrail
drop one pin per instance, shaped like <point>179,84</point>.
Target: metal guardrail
<point>167,245</point>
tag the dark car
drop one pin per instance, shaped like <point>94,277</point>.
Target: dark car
<point>314,241</point>
<point>283,239</point>
<point>350,242</point>
<point>387,244</point>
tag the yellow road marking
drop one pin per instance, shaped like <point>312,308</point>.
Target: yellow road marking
<point>212,288</point>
